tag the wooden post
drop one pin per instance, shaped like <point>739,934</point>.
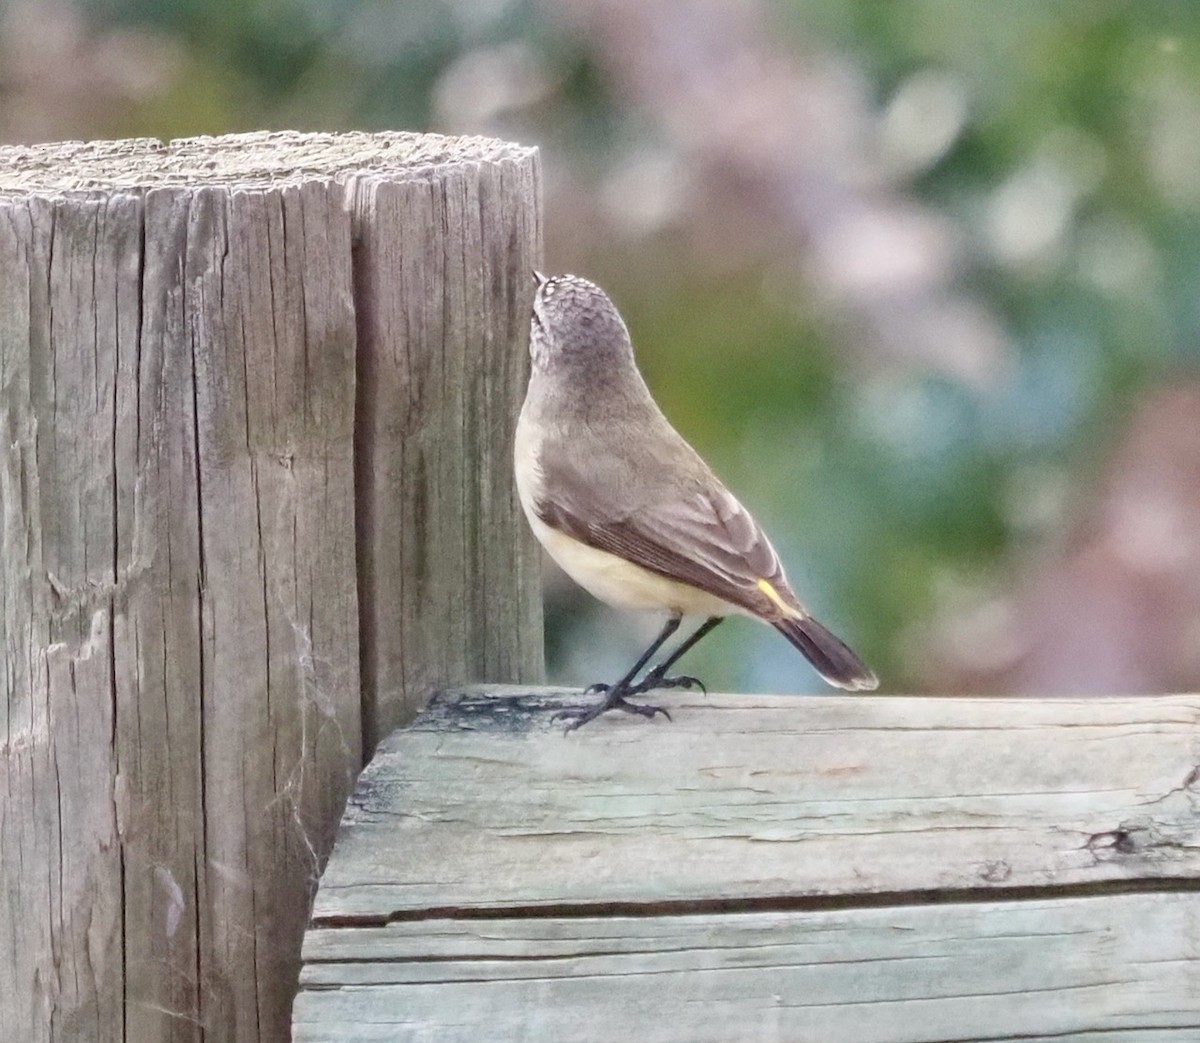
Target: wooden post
<point>443,316</point>
<point>242,463</point>
<point>842,869</point>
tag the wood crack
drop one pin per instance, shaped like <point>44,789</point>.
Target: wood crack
<point>780,903</point>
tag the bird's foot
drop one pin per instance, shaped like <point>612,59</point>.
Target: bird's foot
<point>614,699</point>
<point>656,678</point>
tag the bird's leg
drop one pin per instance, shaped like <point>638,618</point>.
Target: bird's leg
<point>626,683</point>
<point>657,678</point>
<point>614,694</point>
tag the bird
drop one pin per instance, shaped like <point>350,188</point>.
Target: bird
<point>630,511</point>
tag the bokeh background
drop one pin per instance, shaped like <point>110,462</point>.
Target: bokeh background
<point>919,277</point>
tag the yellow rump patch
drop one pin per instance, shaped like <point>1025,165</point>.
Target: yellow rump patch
<point>773,594</point>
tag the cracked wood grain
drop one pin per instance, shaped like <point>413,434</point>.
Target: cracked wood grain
<point>767,797</point>
<point>443,274</point>
<point>977,971</point>
<point>802,868</point>
<point>182,717</point>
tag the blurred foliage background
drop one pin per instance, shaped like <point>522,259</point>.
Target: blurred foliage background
<point>919,277</point>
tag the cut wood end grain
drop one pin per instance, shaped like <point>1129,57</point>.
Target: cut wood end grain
<point>243,160</point>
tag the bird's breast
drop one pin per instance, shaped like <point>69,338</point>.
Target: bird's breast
<point>622,584</point>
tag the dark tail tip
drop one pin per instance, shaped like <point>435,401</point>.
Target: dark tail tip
<point>832,658</point>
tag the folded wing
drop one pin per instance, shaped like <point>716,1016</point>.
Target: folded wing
<point>696,532</point>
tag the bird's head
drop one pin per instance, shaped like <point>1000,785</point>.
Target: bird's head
<point>574,322</point>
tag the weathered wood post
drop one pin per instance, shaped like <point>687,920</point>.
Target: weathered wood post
<point>255,394</point>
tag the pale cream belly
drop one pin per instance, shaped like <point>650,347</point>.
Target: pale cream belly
<point>621,583</point>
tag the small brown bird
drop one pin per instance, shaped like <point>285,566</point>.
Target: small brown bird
<point>629,510</point>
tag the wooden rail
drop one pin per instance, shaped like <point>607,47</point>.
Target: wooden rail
<point>827,869</point>
<point>256,396</point>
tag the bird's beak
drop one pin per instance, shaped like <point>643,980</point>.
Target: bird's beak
<point>539,279</point>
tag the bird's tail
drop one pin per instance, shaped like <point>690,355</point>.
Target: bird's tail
<point>829,654</point>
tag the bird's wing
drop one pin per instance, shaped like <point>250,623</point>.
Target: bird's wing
<point>695,532</point>
<point>687,526</point>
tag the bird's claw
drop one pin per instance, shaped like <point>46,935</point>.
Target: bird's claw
<point>649,683</point>
<point>578,716</point>
<point>644,709</point>
<point>653,681</point>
